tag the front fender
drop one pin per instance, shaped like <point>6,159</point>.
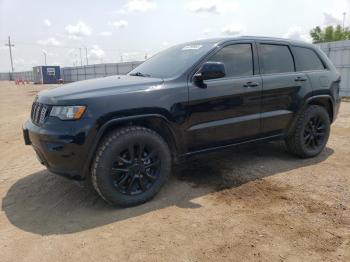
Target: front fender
<point>115,122</point>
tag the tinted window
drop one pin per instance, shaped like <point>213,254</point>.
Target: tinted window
<point>276,59</point>
<point>174,60</point>
<point>238,59</point>
<point>307,59</point>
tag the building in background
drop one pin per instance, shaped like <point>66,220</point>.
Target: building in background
<point>46,74</point>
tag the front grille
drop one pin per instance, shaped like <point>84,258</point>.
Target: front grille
<point>39,113</point>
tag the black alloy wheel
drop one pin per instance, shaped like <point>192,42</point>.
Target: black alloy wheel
<point>309,136</point>
<point>136,170</point>
<point>314,133</point>
<point>131,165</point>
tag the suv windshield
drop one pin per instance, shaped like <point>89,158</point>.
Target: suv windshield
<point>173,61</point>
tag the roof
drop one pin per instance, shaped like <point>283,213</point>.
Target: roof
<point>222,40</point>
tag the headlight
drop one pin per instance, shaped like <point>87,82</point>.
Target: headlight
<point>68,112</point>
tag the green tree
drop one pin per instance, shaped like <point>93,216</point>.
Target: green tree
<point>329,34</point>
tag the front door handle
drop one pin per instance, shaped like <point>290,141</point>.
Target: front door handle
<point>300,79</point>
<point>251,84</point>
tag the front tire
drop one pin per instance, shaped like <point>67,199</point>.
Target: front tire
<point>310,133</point>
<point>131,165</point>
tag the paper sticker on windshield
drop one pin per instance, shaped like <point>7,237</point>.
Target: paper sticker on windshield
<point>192,47</point>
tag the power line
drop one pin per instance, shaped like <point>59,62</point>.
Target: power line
<point>77,47</point>
<point>77,51</point>
<point>10,49</point>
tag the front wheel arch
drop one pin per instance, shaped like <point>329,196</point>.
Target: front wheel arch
<point>117,153</point>
<point>158,123</point>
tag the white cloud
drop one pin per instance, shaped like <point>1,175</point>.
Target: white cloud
<point>296,33</point>
<point>53,54</point>
<point>96,53</point>
<point>105,33</point>
<point>138,6</point>
<point>47,22</point>
<point>165,43</point>
<point>332,18</point>
<point>132,56</point>
<point>120,24</point>
<point>71,51</point>
<point>78,30</point>
<point>19,62</point>
<point>49,41</point>
<point>206,32</point>
<point>233,30</point>
<point>212,7</point>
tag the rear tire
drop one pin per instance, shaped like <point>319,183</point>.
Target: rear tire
<point>310,133</point>
<point>131,165</point>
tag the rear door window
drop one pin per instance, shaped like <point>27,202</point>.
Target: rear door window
<point>276,59</point>
<point>307,59</point>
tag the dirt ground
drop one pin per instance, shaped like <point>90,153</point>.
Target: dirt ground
<point>254,203</point>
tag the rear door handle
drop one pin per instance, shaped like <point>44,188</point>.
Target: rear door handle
<point>300,79</point>
<point>250,84</point>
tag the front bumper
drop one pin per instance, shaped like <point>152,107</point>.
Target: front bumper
<point>61,146</point>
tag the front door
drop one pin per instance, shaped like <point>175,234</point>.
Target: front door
<point>228,110</point>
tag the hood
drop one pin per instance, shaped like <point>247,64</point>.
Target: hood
<point>99,87</point>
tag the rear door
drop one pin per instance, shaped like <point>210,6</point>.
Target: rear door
<point>283,87</point>
<point>228,110</point>
<point>310,63</point>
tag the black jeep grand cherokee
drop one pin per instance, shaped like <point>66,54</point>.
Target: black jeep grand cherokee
<point>191,98</point>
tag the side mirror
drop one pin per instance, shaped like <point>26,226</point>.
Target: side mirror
<point>210,70</point>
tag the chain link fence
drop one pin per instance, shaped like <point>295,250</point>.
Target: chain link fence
<point>339,54</point>
<point>73,74</point>
<point>25,76</point>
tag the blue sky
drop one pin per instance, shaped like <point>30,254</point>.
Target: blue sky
<point>131,29</point>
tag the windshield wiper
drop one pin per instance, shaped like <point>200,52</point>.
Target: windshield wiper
<point>140,74</point>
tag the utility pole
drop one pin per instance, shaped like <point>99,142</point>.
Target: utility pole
<point>87,61</point>
<point>44,52</point>
<point>10,49</point>
<point>81,60</point>
<point>76,60</point>
<point>344,16</point>
<point>86,55</point>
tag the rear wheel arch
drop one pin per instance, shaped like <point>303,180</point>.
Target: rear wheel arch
<point>325,102</point>
<point>310,134</point>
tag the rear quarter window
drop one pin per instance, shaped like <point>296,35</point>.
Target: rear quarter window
<point>307,59</point>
